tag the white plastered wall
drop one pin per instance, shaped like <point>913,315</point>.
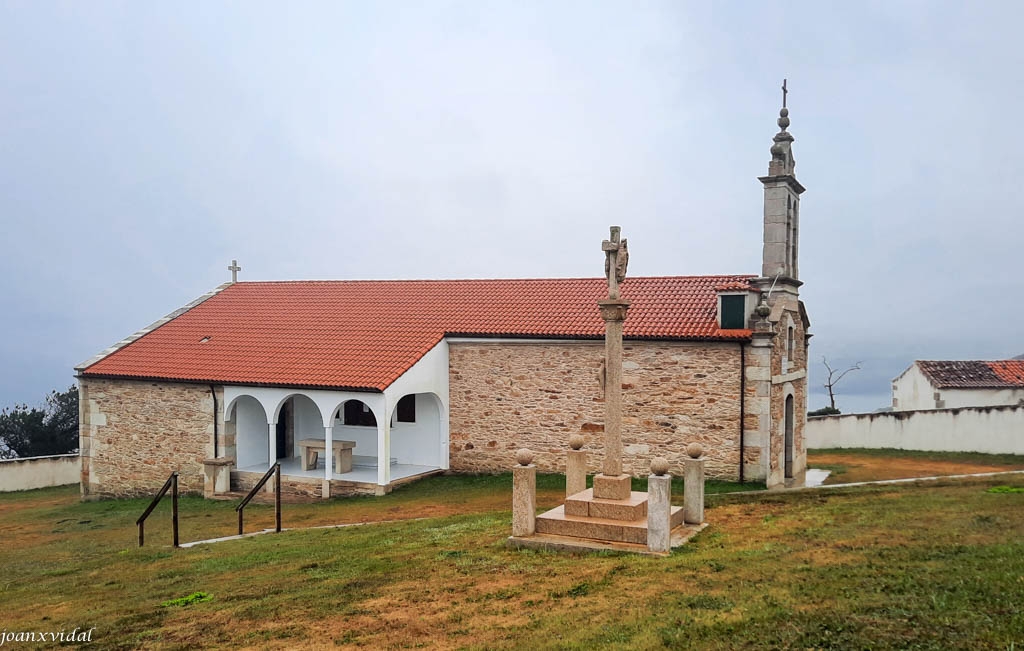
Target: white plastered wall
<point>428,379</point>
<point>308,422</point>
<point>250,432</point>
<point>911,391</point>
<point>994,430</point>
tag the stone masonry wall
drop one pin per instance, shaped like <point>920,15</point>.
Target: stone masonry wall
<point>133,434</point>
<point>757,410</point>
<point>783,387</point>
<point>505,396</point>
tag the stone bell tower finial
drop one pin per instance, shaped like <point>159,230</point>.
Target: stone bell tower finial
<point>781,203</point>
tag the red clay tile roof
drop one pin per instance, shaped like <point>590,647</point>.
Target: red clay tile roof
<point>974,374</point>
<point>1010,371</point>
<point>365,334</point>
<point>734,286</point>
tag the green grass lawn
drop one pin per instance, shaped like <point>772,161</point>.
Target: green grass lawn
<point>866,464</point>
<point>938,566</point>
<point>955,457</point>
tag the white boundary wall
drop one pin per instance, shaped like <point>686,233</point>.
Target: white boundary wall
<point>995,430</point>
<point>39,472</point>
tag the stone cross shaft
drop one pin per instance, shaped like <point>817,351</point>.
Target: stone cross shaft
<point>613,311</point>
<point>234,269</point>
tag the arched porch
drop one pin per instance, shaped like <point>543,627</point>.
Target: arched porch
<point>335,436</point>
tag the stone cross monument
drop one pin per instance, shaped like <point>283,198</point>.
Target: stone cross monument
<point>610,514</point>
<point>612,483</point>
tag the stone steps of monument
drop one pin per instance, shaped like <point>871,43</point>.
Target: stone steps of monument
<point>584,504</point>
<point>556,522</point>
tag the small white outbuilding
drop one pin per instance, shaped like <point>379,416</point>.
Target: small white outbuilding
<point>954,384</point>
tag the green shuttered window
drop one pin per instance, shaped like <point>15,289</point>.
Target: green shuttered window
<point>734,313</point>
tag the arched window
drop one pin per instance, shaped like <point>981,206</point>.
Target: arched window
<point>358,413</point>
<point>791,345</point>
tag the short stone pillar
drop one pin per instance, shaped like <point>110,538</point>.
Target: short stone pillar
<point>524,495</point>
<point>576,467</point>
<point>693,485</point>
<point>217,476</point>
<point>659,507</point>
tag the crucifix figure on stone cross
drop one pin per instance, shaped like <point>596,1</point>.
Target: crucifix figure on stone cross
<point>234,269</point>
<point>615,261</point>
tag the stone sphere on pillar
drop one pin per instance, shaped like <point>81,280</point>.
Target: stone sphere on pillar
<point>524,456</point>
<point>576,441</point>
<point>694,450</point>
<point>659,466</point>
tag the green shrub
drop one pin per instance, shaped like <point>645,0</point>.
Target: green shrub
<point>824,411</point>
<point>194,598</point>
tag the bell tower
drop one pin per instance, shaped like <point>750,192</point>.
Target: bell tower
<point>781,205</point>
<point>777,450</point>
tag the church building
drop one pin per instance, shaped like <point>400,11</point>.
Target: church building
<point>357,386</point>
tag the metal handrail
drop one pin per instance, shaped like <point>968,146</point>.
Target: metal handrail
<point>172,483</point>
<point>276,471</point>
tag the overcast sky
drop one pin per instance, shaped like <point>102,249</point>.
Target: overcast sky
<point>145,145</point>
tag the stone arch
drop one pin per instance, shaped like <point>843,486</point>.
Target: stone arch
<point>297,416</point>
<point>421,442</point>
<point>365,436</point>
<point>337,410</point>
<point>286,398</point>
<point>228,413</point>
<point>249,417</point>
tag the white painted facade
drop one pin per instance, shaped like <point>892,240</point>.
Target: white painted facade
<point>913,391</point>
<point>39,472</point>
<point>319,414</point>
<point>994,430</point>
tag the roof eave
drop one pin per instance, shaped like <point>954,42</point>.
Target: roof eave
<point>276,385</point>
<point>99,357</point>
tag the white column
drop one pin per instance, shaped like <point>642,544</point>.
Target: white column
<point>328,460</point>
<point>383,450</point>
<point>271,454</point>
<point>444,437</point>
<point>272,445</point>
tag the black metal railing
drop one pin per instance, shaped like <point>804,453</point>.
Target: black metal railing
<point>171,483</point>
<point>275,470</point>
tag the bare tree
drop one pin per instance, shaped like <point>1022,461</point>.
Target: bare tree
<point>834,375</point>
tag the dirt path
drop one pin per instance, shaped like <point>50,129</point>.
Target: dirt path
<point>854,467</point>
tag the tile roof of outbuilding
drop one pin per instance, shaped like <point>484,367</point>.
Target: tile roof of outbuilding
<point>365,334</point>
<point>974,374</point>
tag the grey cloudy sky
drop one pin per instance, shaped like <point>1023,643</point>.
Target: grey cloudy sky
<point>144,145</point>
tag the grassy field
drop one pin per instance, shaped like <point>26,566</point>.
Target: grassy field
<point>916,566</point>
<point>857,465</point>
